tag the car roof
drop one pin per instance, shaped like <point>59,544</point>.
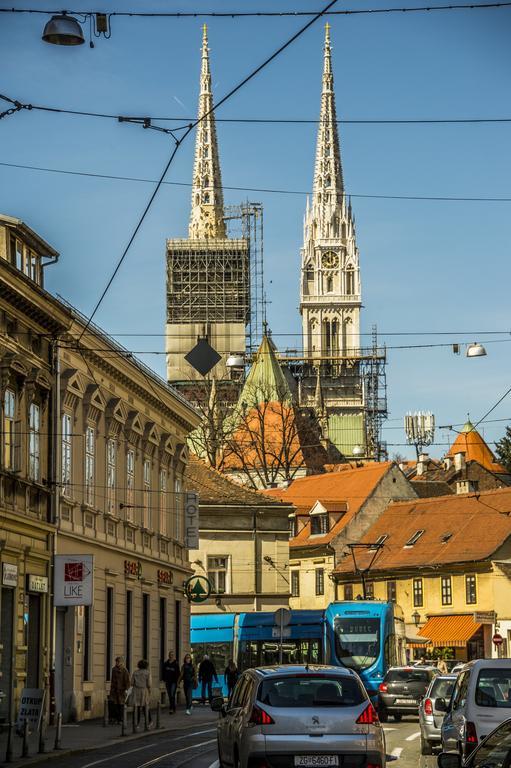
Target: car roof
<point>445,677</point>
<point>301,669</point>
<point>409,667</point>
<point>495,663</point>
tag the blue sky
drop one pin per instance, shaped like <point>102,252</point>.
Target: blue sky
<point>427,266</point>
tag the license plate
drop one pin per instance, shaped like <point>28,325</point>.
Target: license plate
<point>316,760</point>
<point>405,701</point>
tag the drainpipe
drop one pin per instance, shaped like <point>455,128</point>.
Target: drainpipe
<point>256,564</point>
<point>55,475</point>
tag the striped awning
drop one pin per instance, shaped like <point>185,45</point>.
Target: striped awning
<point>442,631</point>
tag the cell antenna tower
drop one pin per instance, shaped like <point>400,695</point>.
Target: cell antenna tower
<point>420,429</point>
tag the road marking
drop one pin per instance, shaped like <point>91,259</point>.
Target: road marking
<point>413,736</point>
<point>396,752</point>
<point>387,730</point>
<point>175,752</point>
<point>146,746</point>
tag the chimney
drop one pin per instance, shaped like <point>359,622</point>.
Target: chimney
<point>422,463</point>
<point>466,486</point>
<point>459,461</point>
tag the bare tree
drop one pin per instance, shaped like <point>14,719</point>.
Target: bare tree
<point>207,441</point>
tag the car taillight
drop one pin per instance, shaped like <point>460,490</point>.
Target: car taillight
<point>428,707</point>
<point>259,717</point>
<point>470,734</point>
<point>383,687</point>
<point>368,716</point>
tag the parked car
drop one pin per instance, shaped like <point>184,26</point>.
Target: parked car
<point>457,667</point>
<point>402,689</point>
<point>481,700</point>
<point>494,751</point>
<point>430,718</point>
<point>299,716</point>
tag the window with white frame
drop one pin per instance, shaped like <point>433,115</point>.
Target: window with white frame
<point>163,501</point>
<point>295,583</point>
<point>67,453</point>
<point>9,428</point>
<point>111,466</point>
<point>218,567</point>
<point>130,484</point>
<point>178,506</point>
<point>34,441</point>
<point>90,461</point>
<point>146,522</point>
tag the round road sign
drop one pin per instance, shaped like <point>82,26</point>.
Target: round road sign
<point>282,617</point>
<point>497,639</point>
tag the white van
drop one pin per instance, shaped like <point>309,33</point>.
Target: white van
<point>480,701</point>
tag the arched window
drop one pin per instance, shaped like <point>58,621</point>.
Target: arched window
<point>328,181</point>
<point>206,181</point>
<point>206,197</point>
<point>330,285</point>
<point>350,281</point>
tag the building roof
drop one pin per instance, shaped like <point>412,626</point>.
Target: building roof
<point>428,488</point>
<point>470,442</point>
<point>265,381</point>
<point>348,490</point>
<point>215,488</point>
<point>456,529</point>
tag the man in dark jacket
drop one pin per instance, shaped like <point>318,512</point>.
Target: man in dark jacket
<point>170,678</point>
<point>207,673</point>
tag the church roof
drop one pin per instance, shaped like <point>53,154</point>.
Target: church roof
<point>470,442</point>
<point>266,381</point>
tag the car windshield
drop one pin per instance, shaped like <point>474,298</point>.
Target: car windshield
<point>407,676</point>
<point>442,689</point>
<point>357,641</point>
<point>494,688</point>
<point>496,750</point>
<point>310,691</point>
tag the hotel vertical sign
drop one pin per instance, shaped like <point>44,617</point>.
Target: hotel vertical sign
<point>191,520</point>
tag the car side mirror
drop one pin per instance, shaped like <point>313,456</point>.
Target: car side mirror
<point>449,760</point>
<point>441,706</point>
<point>217,703</point>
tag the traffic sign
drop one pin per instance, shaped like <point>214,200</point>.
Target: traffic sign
<point>282,617</point>
<point>497,639</point>
<point>197,589</point>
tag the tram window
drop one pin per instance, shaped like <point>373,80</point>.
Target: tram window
<point>219,653</point>
<point>257,653</point>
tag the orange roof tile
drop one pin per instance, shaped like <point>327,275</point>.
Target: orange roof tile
<point>351,488</point>
<point>470,442</point>
<point>449,630</point>
<point>457,529</point>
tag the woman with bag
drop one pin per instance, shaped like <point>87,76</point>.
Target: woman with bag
<point>188,677</point>
<point>141,682</point>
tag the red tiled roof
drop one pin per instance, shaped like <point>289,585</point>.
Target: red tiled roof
<point>457,529</point>
<point>349,488</point>
<point>470,442</point>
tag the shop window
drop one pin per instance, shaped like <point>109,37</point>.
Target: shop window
<point>145,625</point>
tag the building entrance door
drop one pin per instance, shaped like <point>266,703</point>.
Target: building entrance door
<point>34,641</point>
<point>59,658</point>
<point>6,652</point>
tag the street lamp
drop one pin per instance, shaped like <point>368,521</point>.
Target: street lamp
<point>416,618</point>
<point>475,350</point>
<point>63,30</point>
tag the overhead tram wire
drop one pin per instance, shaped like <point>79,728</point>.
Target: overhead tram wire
<point>263,190</point>
<point>263,14</point>
<point>179,141</point>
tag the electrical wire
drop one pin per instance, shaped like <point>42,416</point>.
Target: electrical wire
<point>265,190</point>
<point>261,14</point>
<point>470,334</point>
<point>179,141</point>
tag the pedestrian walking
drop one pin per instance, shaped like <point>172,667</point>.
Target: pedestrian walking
<point>170,678</point>
<point>119,684</point>
<point>188,677</point>
<point>207,673</point>
<point>142,684</point>
<point>231,675</point>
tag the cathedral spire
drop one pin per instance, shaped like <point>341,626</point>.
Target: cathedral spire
<point>207,214</point>
<point>328,190</point>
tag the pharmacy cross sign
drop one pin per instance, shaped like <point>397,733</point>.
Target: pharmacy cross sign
<point>197,589</point>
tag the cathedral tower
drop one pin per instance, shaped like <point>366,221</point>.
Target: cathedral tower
<point>330,293</point>
<point>208,274</point>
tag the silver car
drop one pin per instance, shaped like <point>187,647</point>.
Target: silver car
<point>294,716</point>
<point>430,718</point>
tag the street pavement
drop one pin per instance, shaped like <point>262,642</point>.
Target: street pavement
<point>190,742</point>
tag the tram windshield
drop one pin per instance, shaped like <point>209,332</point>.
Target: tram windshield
<point>357,641</point>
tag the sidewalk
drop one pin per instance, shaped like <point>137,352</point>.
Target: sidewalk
<point>92,734</point>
